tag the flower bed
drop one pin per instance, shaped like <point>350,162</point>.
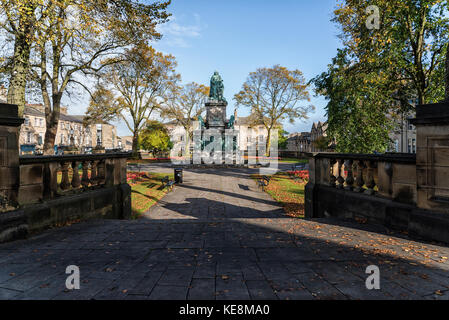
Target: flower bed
<point>303,175</point>
<point>288,192</point>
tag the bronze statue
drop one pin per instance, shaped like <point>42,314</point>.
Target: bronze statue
<point>216,88</point>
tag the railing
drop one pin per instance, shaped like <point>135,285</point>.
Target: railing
<point>392,176</point>
<point>47,177</point>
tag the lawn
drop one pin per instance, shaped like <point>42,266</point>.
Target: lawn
<point>148,161</point>
<point>288,192</point>
<point>293,160</point>
<point>147,190</point>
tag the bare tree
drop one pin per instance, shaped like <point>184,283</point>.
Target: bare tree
<point>273,95</point>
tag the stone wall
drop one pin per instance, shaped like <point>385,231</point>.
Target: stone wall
<point>340,203</point>
<point>105,203</point>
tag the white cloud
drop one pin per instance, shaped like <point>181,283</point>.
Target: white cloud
<point>176,34</point>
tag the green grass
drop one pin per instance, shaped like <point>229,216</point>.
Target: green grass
<point>288,192</point>
<point>293,160</point>
<point>146,192</point>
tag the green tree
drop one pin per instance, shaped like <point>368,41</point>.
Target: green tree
<point>372,80</point>
<point>69,40</point>
<point>273,95</point>
<point>134,88</point>
<point>282,139</point>
<point>155,138</point>
<point>185,104</point>
<point>19,20</point>
<point>357,118</point>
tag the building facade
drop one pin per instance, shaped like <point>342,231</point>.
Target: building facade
<point>299,142</point>
<point>70,133</point>
<point>403,136</point>
<point>249,132</point>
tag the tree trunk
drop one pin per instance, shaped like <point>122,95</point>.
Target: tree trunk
<point>50,136</point>
<point>268,143</point>
<point>135,144</point>
<point>17,84</point>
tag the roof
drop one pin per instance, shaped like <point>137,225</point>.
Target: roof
<point>249,120</point>
<point>30,110</point>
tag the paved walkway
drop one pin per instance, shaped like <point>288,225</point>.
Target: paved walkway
<point>218,237</point>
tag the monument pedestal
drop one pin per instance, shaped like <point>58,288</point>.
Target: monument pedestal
<point>216,114</point>
<point>432,157</point>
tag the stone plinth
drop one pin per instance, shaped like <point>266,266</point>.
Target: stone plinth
<point>216,114</point>
<point>9,153</point>
<point>432,162</point>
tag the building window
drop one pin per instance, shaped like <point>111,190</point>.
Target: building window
<point>41,122</point>
<point>99,135</point>
<point>27,121</point>
<point>413,145</point>
<point>396,145</point>
<point>29,137</point>
<point>36,122</point>
<point>62,139</point>
<point>40,139</point>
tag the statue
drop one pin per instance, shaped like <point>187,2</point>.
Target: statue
<point>231,123</point>
<point>201,120</point>
<point>216,88</point>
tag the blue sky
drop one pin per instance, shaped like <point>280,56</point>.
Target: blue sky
<point>236,37</point>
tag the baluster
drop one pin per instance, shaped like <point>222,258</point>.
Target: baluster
<point>370,183</point>
<point>85,179</point>
<point>350,176</point>
<point>101,172</point>
<point>51,180</point>
<point>340,178</point>
<point>332,178</point>
<point>76,182</point>
<point>93,173</point>
<point>359,182</point>
<point>65,184</point>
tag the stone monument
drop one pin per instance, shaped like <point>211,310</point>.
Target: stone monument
<point>216,122</point>
<point>9,155</point>
<point>432,157</point>
<point>216,106</point>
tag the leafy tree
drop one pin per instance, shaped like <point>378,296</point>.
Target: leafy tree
<point>357,118</point>
<point>322,143</point>
<point>18,20</point>
<point>69,39</point>
<point>185,104</point>
<point>374,77</point>
<point>273,95</point>
<point>409,45</point>
<point>282,139</point>
<point>134,88</point>
<point>155,138</point>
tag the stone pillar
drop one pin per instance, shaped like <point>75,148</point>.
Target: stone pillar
<point>432,159</point>
<point>9,154</point>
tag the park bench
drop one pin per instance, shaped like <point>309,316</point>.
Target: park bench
<point>167,183</point>
<point>263,182</point>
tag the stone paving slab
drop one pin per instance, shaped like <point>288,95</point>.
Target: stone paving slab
<point>217,237</point>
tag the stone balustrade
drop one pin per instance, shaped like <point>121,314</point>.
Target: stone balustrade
<point>392,176</point>
<point>48,177</point>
